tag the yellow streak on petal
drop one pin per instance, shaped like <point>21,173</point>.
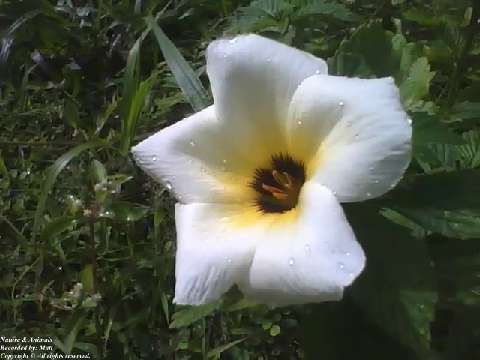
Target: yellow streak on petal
<point>251,216</point>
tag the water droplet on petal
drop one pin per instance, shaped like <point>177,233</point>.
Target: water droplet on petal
<point>347,253</point>
<point>368,194</point>
<point>291,261</point>
<point>341,104</point>
<point>376,181</point>
<point>409,121</point>
<point>341,266</point>
<point>168,186</point>
<point>224,161</point>
<point>317,71</point>
<point>299,122</point>
<point>154,158</point>
<point>192,143</point>
<point>233,41</point>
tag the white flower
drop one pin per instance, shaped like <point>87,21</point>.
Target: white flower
<point>259,175</point>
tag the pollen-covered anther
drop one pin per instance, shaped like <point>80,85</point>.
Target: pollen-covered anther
<point>276,192</point>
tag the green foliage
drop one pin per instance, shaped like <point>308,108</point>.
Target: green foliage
<point>88,240</point>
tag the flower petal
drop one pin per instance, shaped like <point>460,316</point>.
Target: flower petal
<point>355,133</point>
<point>211,255</point>
<point>191,155</point>
<point>253,79</point>
<point>309,260</point>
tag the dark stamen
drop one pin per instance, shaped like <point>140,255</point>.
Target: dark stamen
<point>278,187</point>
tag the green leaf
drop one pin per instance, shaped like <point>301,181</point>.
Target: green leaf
<point>328,8</point>
<point>122,211</point>
<point>397,289</point>
<point>99,172</point>
<point>447,191</point>
<point>135,93</point>
<point>461,224</point>
<point>191,314</point>
<point>367,53</point>
<point>186,78</point>
<point>217,352</point>
<point>57,226</point>
<point>417,84</point>
<point>427,129</point>
<point>467,110</point>
<point>51,176</point>
<point>76,324</point>
<point>275,330</point>
<point>88,279</point>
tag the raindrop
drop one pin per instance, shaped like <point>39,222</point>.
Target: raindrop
<point>154,158</point>
<point>224,161</point>
<point>299,122</point>
<point>307,248</point>
<point>341,104</point>
<point>368,194</point>
<point>192,143</point>
<point>409,121</point>
<point>347,254</point>
<point>317,71</point>
<point>341,266</point>
<point>376,181</point>
<point>168,186</point>
<point>59,268</point>
<point>291,261</point>
<point>351,275</point>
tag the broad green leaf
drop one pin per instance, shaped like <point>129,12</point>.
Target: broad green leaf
<point>467,110</point>
<point>417,84</point>
<point>367,53</point>
<point>396,290</point>
<point>51,176</point>
<point>189,315</point>
<point>427,129</point>
<point>186,78</point>
<point>57,226</point>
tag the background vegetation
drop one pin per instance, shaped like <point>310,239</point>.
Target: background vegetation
<point>88,240</point>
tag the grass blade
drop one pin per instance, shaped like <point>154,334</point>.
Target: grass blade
<point>51,176</point>
<point>186,78</point>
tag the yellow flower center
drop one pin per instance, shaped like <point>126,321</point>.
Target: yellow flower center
<point>277,188</point>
